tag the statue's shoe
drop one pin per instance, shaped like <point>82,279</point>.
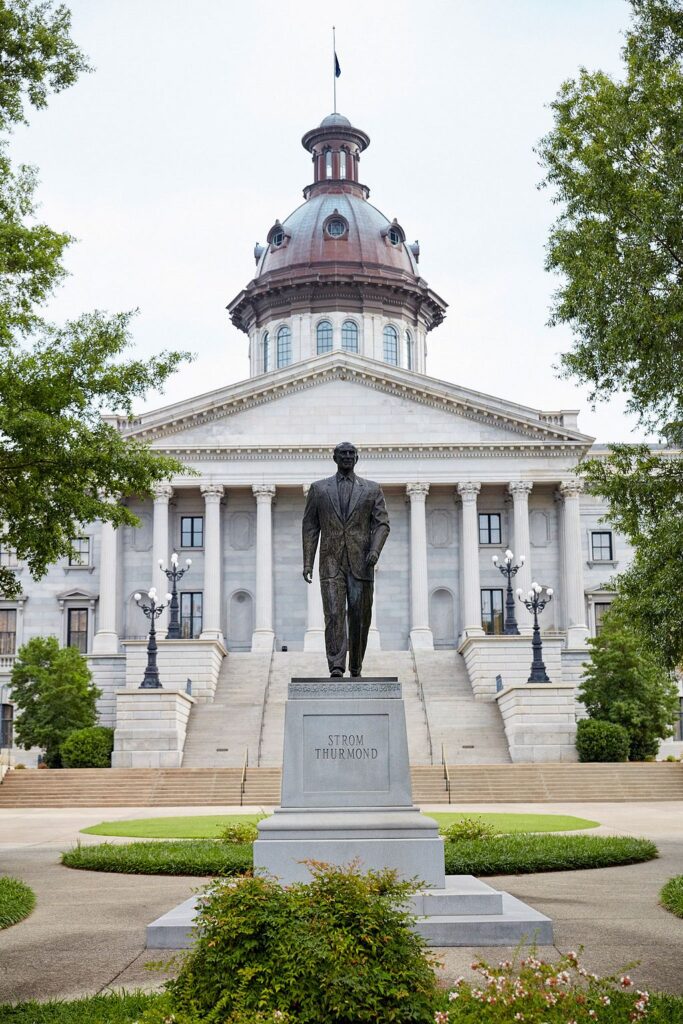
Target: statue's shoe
<point>336,673</point>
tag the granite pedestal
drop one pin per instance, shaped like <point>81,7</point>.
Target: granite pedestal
<point>346,796</point>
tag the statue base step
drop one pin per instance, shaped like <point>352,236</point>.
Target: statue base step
<point>467,912</point>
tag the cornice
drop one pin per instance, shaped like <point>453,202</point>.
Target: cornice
<point>379,377</point>
<point>250,453</point>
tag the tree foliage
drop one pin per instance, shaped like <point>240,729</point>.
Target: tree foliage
<point>61,463</point>
<point>626,684</point>
<point>614,159</point>
<point>54,693</point>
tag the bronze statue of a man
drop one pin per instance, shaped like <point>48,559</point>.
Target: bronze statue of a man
<point>350,517</point>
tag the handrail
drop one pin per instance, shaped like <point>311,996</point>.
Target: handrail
<point>446,773</point>
<point>264,704</point>
<point>243,780</point>
<point>423,702</point>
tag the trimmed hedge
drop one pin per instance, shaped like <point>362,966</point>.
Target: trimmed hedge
<point>88,748</point>
<point>17,901</point>
<point>598,741</point>
<point>516,854</point>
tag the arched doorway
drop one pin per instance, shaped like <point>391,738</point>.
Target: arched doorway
<point>442,617</point>
<point>240,621</point>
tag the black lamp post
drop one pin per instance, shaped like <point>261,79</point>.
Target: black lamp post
<point>509,570</point>
<point>174,574</point>
<point>150,680</point>
<point>535,603</point>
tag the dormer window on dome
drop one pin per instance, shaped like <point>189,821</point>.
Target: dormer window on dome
<point>277,237</point>
<point>394,234</point>
<point>336,226</point>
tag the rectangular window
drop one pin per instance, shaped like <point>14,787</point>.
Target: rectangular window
<point>81,555</point>
<point>8,631</point>
<point>192,531</point>
<point>601,546</point>
<point>77,629</point>
<point>190,615</point>
<point>8,557</point>
<point>601,609</point>
<point>489,528</point>
<point>492,611</point>
<point>6,726</point>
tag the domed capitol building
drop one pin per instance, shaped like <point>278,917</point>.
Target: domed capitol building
<point>337,319</point>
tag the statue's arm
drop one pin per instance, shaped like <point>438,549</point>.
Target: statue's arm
<point>310,531</point>
<point>379,529</point>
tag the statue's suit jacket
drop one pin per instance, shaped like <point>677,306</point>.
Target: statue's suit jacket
<point>365,528</point>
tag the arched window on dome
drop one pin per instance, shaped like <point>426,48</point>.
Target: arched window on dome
<point>342,163</point>
<point>391,345</point>
<point>328,163</point>
<point>323,337</point>
<point>266,344</point>
<point>409,350</point>
<point>284,346</point>
<point>350,336</point>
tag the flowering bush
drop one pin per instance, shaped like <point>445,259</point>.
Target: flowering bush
<point>537,992</point>
<point>468,828</point>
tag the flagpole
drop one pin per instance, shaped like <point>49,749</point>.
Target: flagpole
<point>334,67</point>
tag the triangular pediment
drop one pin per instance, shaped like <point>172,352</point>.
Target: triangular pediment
<point>347,396</point>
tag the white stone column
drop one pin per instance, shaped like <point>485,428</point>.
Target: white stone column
<point>471,587</point>
<point>263,636</point>
<point>575,601</point>
<point>374,640</point>
<point>162,495</point>
<point>213,563</point>
<point>314,637</point>
<point>420,633</point>
<point>106,640</point>
<point>521,545</point>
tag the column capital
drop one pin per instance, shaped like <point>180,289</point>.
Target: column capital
<point>163,493</point>
<point>264,492</point>
<point>520,488</point>
<point>212,492</point>
<point>417,491</point>
<point>572,487</point>
<point>468,491</point>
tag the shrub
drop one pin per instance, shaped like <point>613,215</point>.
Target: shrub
<point>535,991</point>
<point>240,831</point>
<point>337,949</point>
<point>18,767</point>
<point>467,828</point>
<point>601,741</point>
<point>671,895</point>
<point>88,748</point>
<point>17,901</point>
<point>671,757</point>
<point>164,857</point>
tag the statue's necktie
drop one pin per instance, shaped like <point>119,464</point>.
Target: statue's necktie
<point>344,496</point>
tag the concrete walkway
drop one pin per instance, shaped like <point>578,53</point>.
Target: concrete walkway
<point>86,934</point>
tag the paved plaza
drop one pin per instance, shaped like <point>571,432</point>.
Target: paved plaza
<point>87,932</point>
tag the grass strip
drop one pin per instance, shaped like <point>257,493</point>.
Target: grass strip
<point>671,895</point>
<point>529,853</point>
<point>165,857</point>
<point>17,901</point>
<point>208,826</point>
<point>504,855</point>
<point>121,1008</point>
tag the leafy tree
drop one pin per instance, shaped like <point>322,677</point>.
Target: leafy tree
<point>626,684</point>
<point>614,159</point>
<point>54,693</point>
<point>61,463</point>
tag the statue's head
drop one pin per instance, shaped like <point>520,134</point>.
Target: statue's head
<point>346,455</point>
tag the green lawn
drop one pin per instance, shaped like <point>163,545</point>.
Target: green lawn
<point>207,826</point>
<point>17,901</point>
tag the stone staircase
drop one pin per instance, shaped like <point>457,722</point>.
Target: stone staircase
<point>469,731</point>
<point>385,663</point>
<point>469,784</point>
<point>218,734</point>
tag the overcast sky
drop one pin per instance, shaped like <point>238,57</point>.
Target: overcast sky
<point>178,152</point>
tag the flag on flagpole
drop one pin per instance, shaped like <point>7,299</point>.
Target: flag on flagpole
<point>337,69</point>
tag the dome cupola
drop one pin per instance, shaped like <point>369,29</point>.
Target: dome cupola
<point>336,273</point>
